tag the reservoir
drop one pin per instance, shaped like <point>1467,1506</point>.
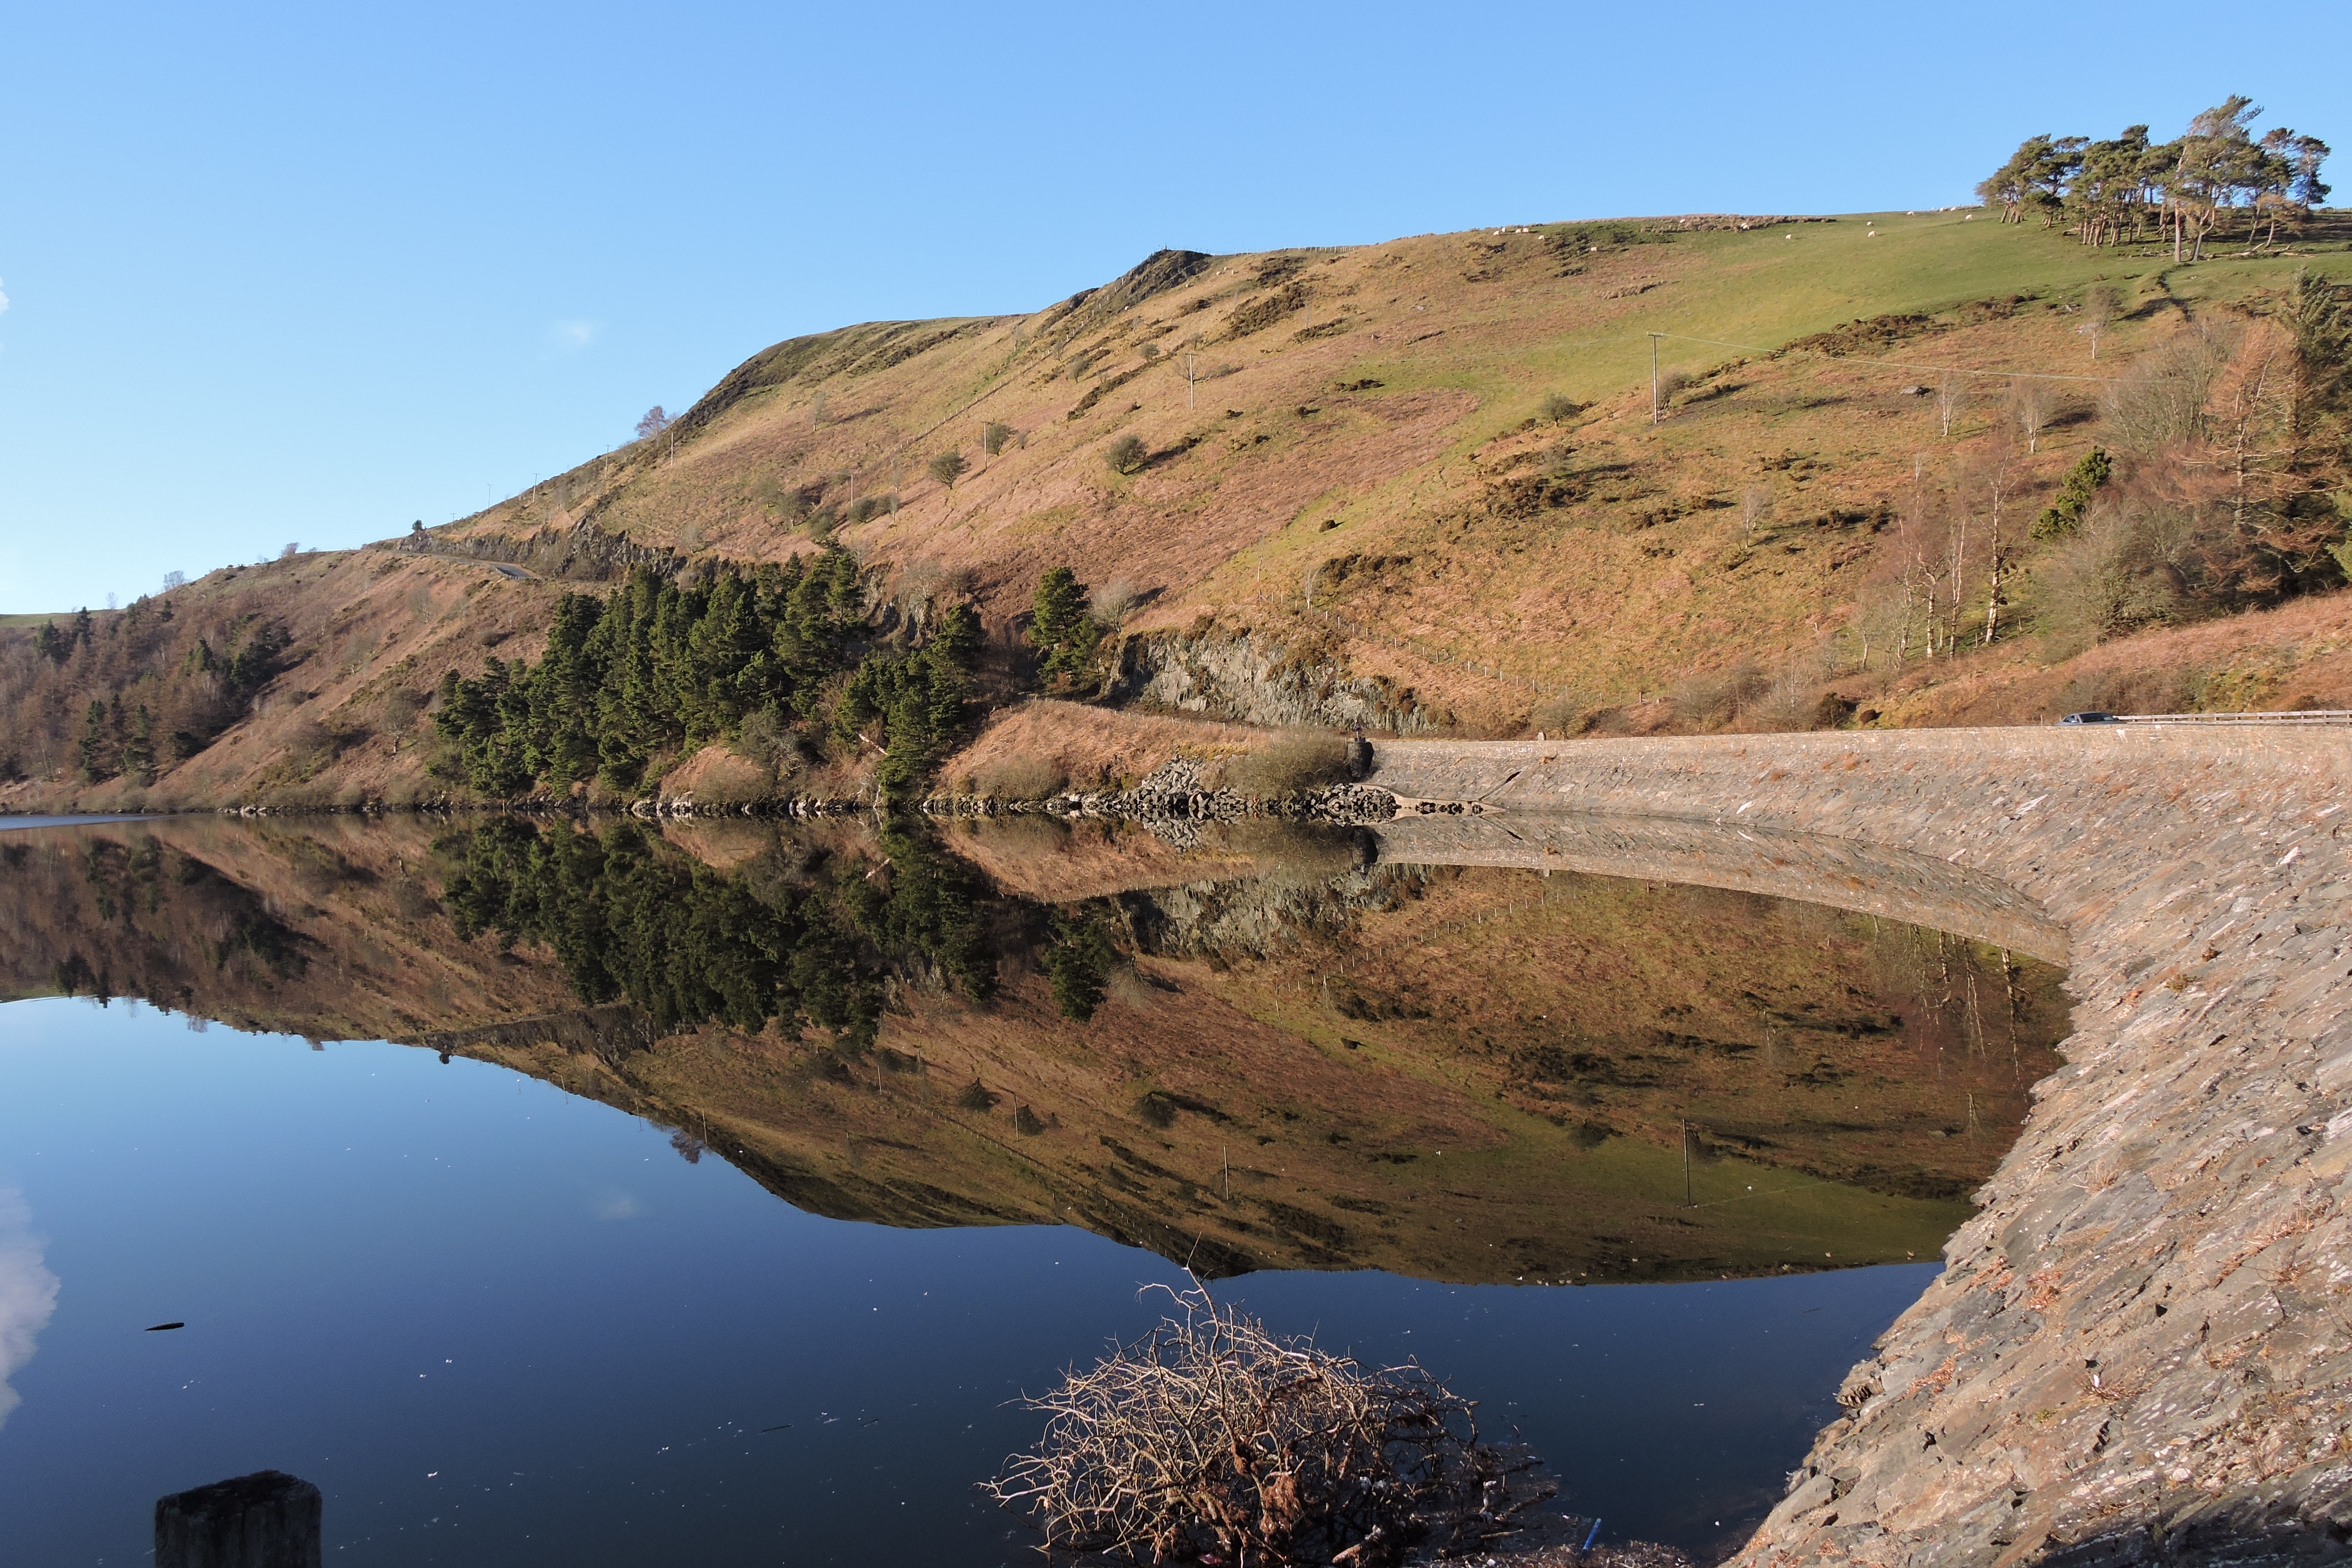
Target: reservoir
<point>614,1192</point>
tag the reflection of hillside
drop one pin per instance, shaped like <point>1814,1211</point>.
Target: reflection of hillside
<point>327,930</point>
<point>1459,1074</point>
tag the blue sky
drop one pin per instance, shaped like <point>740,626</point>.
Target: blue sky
<point>305,274</point>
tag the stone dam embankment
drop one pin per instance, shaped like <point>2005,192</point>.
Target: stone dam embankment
<point>2140,1350</point>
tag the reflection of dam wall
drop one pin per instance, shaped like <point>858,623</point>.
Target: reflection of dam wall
<point>1842,873</point>
<point>2137,1351</point>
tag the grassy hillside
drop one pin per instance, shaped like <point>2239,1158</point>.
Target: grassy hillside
<point>1417,481</point>
<point>1365,435</point>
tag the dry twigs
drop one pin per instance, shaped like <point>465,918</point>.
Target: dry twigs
<point>1211,1441</point>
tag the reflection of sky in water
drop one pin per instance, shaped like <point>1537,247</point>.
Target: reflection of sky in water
<point>29,1292</point>
<point>498,1325</point>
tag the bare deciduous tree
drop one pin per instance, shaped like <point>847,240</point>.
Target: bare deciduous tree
<point>948,468</point>
<point>1991,478</point>
<point>653,423</point>
<point>2159,403</point>
<point>174,579</point>
<point>995,437</point>
<point>1951,396</point>
<point>1755,509</point>
<point>2032,403</point>
<point>291,551</point>
<point>1112,602</point>
<point>2102,303</point>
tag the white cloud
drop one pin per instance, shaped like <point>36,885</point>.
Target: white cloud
<point>29,1292</point>
<point>617,1206</point>
<point>4,301</point>
<point>573,335</point>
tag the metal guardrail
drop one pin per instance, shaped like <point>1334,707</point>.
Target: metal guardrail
<point>2295,716</point>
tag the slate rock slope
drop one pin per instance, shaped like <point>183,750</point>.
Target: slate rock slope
<point>2140,1350</point>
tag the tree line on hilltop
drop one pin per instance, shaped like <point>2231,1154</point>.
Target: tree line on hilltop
<point>2131,188</point>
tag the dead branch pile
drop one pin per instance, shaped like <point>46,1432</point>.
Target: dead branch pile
<point>1211,1441</point>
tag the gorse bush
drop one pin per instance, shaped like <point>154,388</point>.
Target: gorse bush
<point>1126,455</point>
<point>2063,516</point>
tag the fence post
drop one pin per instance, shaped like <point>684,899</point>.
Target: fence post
<point>266,1519</point>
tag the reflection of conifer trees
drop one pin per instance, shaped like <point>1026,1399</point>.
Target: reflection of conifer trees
<point>628,917</point>
<point>1079,958</point>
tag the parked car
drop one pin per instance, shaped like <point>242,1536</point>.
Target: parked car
<point>2093,717</point>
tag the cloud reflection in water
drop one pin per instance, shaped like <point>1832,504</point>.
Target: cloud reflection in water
<point>29,1291</point>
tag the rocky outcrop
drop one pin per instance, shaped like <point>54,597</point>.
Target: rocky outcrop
<point>2140,1350</point>
<point>580,551</point>
<point>1250,679</point>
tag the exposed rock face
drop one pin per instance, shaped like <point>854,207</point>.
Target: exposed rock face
<point>581,550</point>
<point>2141,1349</point>
<point>1253,680</point>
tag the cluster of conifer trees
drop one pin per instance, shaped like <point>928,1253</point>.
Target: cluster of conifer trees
<point>661,667</point>
<point>131,695</point>
<point>2112,192</point>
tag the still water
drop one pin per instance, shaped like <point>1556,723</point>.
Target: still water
<point>618,1261</point>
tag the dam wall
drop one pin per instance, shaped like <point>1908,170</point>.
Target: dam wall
<point>2141,1348</point>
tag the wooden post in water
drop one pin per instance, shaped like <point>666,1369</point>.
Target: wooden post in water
<point>1686,1186</point>
<point>266,1519</point>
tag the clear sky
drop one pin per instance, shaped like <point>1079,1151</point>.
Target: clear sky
<point>308,273</point>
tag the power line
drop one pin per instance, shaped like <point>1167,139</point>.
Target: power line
<point>1892,363</point>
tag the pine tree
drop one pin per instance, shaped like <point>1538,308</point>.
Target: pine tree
<point>96,747</point>
<point>1059,627</point>
<point>139,750</point>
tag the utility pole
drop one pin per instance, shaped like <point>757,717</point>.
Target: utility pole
<point>1654,376</point>
<point>1187,383</point>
